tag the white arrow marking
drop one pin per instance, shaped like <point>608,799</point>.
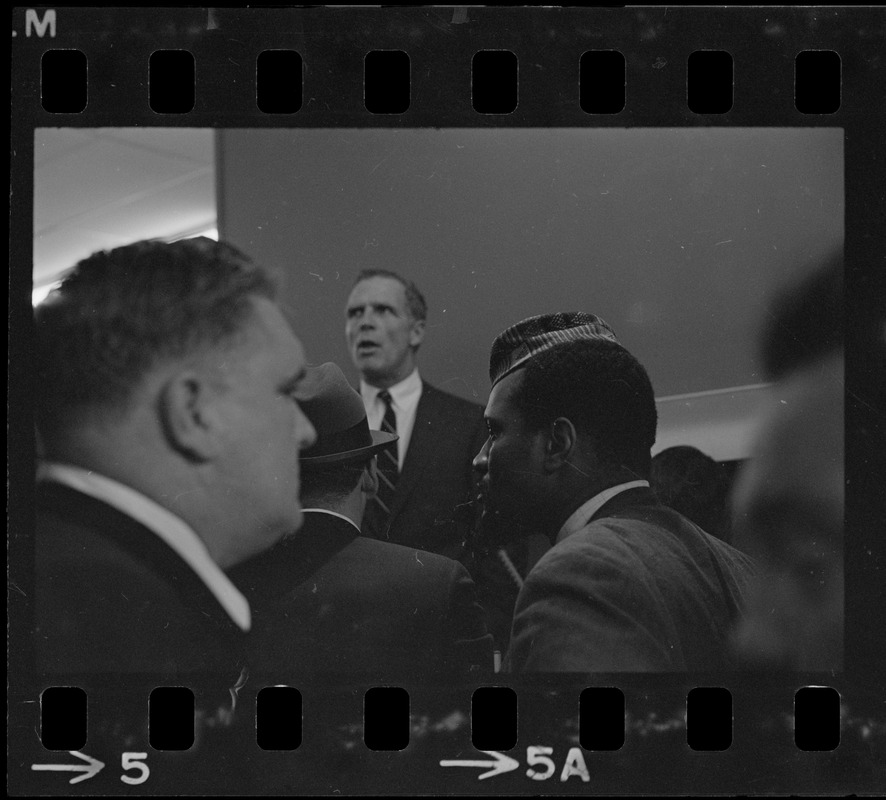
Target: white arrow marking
<point>90,769</point>
<point>500,765</point>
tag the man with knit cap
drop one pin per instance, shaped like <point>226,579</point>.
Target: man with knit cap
<point>628,585</point>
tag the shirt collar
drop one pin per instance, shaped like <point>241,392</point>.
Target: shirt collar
<point>582,515</point>
<point>401,393</point>
<point>173,530</point>
<point>332,514</point>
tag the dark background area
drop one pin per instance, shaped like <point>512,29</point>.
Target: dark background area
<point>676,237</point>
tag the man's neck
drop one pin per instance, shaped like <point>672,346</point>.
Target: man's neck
<point>326,512</point>
<point>570,502</point>
<point>387,382</point>
<point>594,501</point>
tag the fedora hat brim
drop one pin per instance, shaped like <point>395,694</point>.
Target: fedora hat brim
<point>380,441</point>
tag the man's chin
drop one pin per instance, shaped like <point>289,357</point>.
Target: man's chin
<point>368,362</point>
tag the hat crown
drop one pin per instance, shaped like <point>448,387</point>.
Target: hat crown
<point>329,401</point>
<point>336,411</point>
<point>519,343</point>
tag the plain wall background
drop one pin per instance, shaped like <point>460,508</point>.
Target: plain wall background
<point>676,237</point>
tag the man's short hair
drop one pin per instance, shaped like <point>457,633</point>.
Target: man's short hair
<point>120,312</point>
<point>415,300</point>
<point>805,321</point>
<point>330,483</point>
<point>603,390</point>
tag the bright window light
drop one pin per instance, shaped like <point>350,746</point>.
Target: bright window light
<point>40,293</point>
<point>209,233</point>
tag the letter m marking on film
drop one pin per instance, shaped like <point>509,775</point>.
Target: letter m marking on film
<point>39,26</point>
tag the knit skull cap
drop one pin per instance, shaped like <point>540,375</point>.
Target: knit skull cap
<point>516,345</point>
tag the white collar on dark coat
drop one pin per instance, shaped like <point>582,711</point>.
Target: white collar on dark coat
<point>332,514</point>
<point>582,515</point>
<point>404,400</point>
<point>170,528</point>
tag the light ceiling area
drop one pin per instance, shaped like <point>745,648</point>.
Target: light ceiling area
<point>97,188</point>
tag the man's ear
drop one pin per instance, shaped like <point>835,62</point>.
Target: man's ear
<point>187,415</point>
<point>369,481</point>
<point>417,334</point>
<point>561,444</point>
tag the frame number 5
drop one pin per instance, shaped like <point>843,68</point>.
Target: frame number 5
<point>134,761</point>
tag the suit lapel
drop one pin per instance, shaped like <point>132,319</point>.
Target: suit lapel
<point>420,448</point>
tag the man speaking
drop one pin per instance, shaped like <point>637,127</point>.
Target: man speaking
<point>429,473</point>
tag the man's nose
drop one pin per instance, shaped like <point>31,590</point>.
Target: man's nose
<point>481,460</point>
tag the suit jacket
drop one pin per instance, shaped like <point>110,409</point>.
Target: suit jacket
<point>118,613</point>
<point>112,596</point>
<point>327,600</point>
<point>436,477</point>
<point>639,589</point>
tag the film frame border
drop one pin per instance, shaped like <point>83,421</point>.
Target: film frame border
<point>332,42</point>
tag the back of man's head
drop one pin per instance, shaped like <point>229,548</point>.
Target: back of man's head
<point>119,313</point>
<point>694,484</point>
<point>331,486</point>
<point>606,394</point>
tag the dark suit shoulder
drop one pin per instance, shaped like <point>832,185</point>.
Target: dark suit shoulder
<point>371,606</point>
<point>638,588</point>
<point>400,563</point>
<point>112,596</point>
<point>450,402</point>
<point>92,565</point>
<point>641,506</point>
<point>329,550</point>
<point>81,534</point>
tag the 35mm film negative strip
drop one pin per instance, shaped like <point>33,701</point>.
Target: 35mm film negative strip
<point>666,168</point>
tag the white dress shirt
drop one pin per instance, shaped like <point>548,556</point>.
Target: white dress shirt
<point>404,400</point>
<point>582,515</point>
<point>170,528</point>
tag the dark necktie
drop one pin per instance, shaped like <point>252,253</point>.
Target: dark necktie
<point>388,470</point>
